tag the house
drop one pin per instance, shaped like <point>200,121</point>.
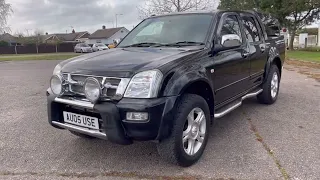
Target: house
<point>9,39</point>
<point>69,37</point>
<point>106,36</point>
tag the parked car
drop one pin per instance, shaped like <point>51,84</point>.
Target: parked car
<point>99,47</point>
<point>168,80</point>
<point>82,48</point>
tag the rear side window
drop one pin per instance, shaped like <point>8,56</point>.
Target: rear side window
<point>251,29</point>
<point>273,30</point>
<point>231,26</point>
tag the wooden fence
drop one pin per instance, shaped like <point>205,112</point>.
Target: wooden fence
<point>42,48</point>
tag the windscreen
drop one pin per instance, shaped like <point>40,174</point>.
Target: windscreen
<point>170,29</point>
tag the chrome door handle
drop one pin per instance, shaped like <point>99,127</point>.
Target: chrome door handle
<point>245,54</point>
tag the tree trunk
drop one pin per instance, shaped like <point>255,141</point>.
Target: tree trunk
<point>292,36</point>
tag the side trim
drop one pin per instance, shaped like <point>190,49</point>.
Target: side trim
<point>75,102</point>
<point>86,131</point>
<point>228,110</point>
<point>248,77</point>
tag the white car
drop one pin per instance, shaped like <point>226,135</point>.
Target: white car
<point>82,48</point>
<point>99,47</point>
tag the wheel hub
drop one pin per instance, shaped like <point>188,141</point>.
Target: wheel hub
<point>194,131</point>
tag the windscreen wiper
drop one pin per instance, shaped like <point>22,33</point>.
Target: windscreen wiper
<point>184,43</point>
<point>144,44</point>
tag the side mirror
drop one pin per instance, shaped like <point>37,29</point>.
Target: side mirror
<point>228,41</point>
<point>231,41</point>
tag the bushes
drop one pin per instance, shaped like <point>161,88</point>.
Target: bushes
<point>310,49</point>
<point>4,44</point>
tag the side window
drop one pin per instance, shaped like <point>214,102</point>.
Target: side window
<point>251,29</point>
<point>231,26</point>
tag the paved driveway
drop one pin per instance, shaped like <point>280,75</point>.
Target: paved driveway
<point>253,142</point>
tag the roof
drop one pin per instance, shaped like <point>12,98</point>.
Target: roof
<point>104,33</point>
<point>187,12</point>
<point>7,37</point>
<point>69,36</point>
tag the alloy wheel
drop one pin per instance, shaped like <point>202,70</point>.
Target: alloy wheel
<point>194,131</point>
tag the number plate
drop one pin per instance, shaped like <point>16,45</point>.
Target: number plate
<point>81,120</point>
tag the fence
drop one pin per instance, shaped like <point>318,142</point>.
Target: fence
<point>42,48</point>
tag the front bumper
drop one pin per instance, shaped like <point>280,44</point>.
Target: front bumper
<point>112,117</point>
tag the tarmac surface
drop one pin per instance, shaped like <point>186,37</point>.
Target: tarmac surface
<point>255,141</point>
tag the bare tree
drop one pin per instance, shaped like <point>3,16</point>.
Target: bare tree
<point>5,11</point>
<point>159,7</point>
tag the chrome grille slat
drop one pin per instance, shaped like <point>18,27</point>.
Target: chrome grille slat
<point>74,84</point>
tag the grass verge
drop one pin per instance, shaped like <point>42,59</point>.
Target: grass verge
<point>304,56</point>
<point>44,56</point>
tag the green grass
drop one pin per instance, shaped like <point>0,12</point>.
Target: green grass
<point>42,56</point>
<point>304,56</point>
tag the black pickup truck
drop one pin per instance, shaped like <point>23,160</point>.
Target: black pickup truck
<point>169,79</point>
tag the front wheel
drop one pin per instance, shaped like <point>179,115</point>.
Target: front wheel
<point>270,87</point>
<point>190,131</point>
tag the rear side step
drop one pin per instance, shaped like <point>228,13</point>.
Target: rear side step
<point>233,106</point>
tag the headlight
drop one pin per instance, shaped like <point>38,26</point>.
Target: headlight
<point>57,70</point>
<point>144,85</point>
<point>92,89</point>
<point>56,84</point>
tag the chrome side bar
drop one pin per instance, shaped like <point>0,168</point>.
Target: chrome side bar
<point>86,131</point>
<point>75,102</point>
<point>225,112</point>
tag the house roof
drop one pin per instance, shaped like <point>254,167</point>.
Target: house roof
<point>104,33</point>
<point>69,36</point>
<point>8,38</point>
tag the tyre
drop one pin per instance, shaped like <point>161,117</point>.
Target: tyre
<point>270,87</point>
<point>189,134</point>
<point>81,135</point>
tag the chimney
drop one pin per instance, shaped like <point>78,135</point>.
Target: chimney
<point>103,27</point>
<point>73,31</point>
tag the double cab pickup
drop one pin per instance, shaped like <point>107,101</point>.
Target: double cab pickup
<point>169,79</point>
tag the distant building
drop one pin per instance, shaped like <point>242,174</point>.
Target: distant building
<point>106,36</point>
<point>11,40</point>
<point>69,37</point>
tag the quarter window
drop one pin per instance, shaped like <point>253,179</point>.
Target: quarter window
<point>250,29</point>
<point>231,26</point>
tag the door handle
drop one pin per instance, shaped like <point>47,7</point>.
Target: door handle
<point>245,54</point>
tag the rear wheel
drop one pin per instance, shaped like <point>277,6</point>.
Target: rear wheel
<point>81,135</point>
<point>189,135</point>
<point>270,87</point>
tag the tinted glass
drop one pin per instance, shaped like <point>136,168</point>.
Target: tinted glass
<point>170,29</point>
<point>250,29</point>
<point>231,26</point>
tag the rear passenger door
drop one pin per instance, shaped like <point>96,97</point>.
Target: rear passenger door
<point>257,48</point>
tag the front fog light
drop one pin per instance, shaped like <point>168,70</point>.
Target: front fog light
<point>56,85</point>
<point>137,116</point>
<point>92,89</point>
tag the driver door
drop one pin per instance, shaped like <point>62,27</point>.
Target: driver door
<point>232,66</point>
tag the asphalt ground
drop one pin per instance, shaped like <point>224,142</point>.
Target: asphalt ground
<point>281,141</point>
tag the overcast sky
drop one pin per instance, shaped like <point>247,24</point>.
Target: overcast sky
<point>56,16</point>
